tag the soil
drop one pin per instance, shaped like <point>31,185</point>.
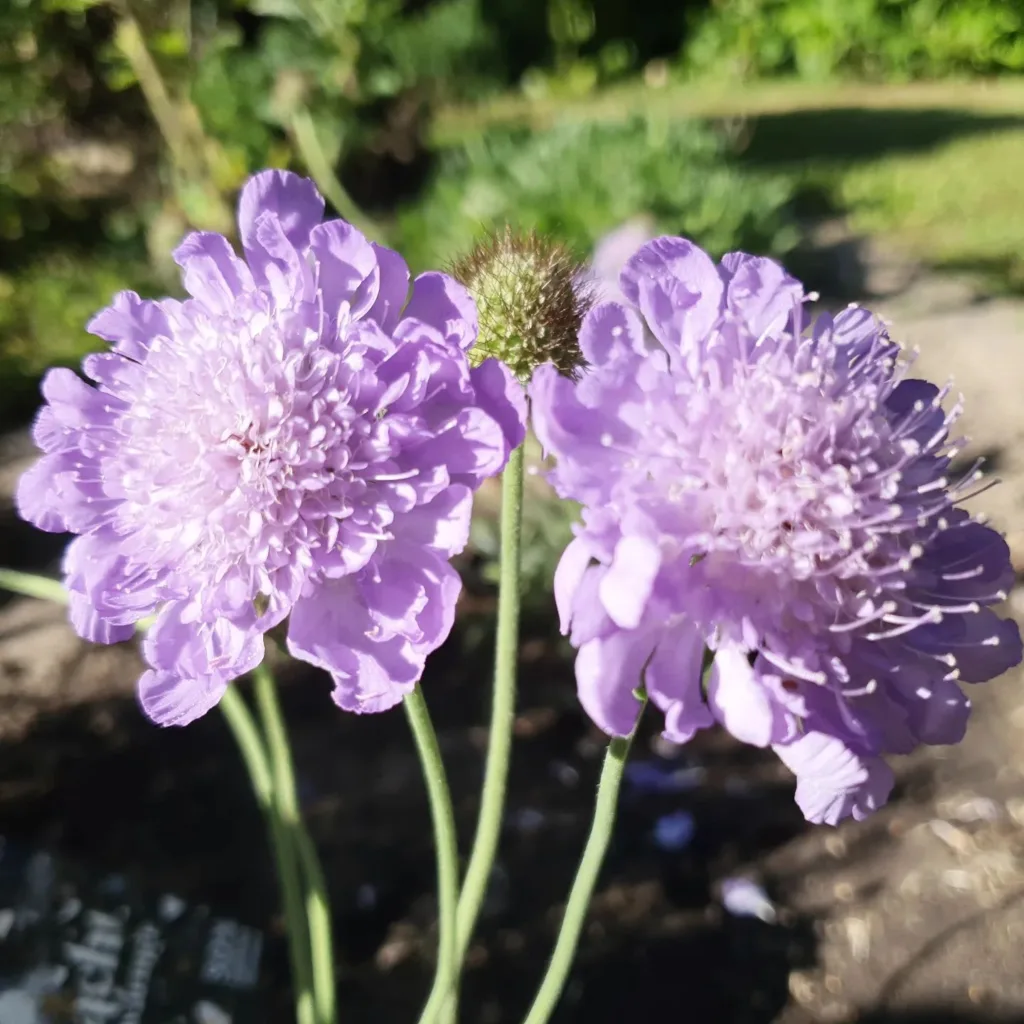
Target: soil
<point>916,915</point>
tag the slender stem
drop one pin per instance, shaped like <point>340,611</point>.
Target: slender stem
<point>586,878</point>
<point>254,754</point>
<point>312,934</point>
<point>318,913</point>
<point>313,156</point>
<point>29,585</point>
<point>499,745</point>
<point>132,44</point>
<point>444,993</point>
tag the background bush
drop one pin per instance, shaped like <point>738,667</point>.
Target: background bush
<point>578,180</point>
<point>881,40</point>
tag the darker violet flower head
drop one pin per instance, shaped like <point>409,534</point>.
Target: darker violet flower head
<point>299,439</point>
<point>780,496</point>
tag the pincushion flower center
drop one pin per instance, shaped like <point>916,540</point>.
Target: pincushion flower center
<point>773,482</point>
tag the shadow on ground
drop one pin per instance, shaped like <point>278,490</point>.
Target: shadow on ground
<point>851,134</point>
<point>937,1015</point>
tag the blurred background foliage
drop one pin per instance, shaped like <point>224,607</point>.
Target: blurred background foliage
<point>123,123</point>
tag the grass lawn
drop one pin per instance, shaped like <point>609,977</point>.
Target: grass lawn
<point>936,168</point>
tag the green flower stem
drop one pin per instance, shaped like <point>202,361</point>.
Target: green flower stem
<point>307,142</point>
<point>254,754</point>
<point>306,907</point>
<point>29,585</point>
<point>444,993</point>
<point>499,745</point>
<point>318,913</point>
<point>586,878</point>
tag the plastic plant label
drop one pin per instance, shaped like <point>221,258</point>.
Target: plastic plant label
<point>76,949</point>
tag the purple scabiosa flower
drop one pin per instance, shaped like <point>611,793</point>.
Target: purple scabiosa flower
<point>295,440</point>
<point>779,495</point>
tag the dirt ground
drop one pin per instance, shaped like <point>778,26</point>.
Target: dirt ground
<point>914,916</point>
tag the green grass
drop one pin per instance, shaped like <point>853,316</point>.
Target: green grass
<point>961,206</point>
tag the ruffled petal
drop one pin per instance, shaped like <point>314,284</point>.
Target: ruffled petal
<point>87,623</point>
<point>502,397</point>
<point>611,332</point>
<point>446,305</point>
<point>218,651</point>
<point>760,291</point>
<point>608,670</point>
<point>394,289</point>
<point>168,699</point>
<point>568,576</point>
<point>673,680</point>
<point>293,201</point>
<point>212,273</point>
<point>131,324</point>
<point>833,781</point>
<point>442,523</point>
<point>38,495</point>
<point>627,586</point>
<point>347,267</point>
<point>677,288</point>
<point>937,709</point>
<point>332,628</point>
<point>578,435</point>
<point>983,645</point>
<point>739,701</point>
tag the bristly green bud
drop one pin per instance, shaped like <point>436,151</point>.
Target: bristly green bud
<point>531,296</point>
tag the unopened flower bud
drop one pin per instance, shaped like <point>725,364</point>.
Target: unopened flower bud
<point>531,296</point>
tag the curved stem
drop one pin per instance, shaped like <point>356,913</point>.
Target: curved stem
<point>499,744</point>
<point>582,890</point>
<point>444,993</point>
<point>311,916</point>
<point>27,584</point>
<point>313,156</point>
<point>254,754</point>
<point>318,914</point>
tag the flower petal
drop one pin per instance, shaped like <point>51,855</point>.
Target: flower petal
<point>739,701</point>
<point>446,305</point>
<point>984,645</point>
<point>443,523</point>
<point>394,289</point>
<point>332,628</point>
<point>627,586</point>
<point>348,270</point>
<point>673,680</point>
<point>760,291</point>
<point>677,288</point>
<point>568,576</point>
<point>502,397</point>
<point>212,652</point>
<point>833,781</point>
<point>608,670</point>
<point>212,273</point>
<point>90,626</point>
<point>611,332</point>
<point>168,699</point>
<point>293,200</point>
<point>131,324</point>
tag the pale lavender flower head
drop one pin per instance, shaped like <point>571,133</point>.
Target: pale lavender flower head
<point>780,495</point>
<point>299,439</point>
